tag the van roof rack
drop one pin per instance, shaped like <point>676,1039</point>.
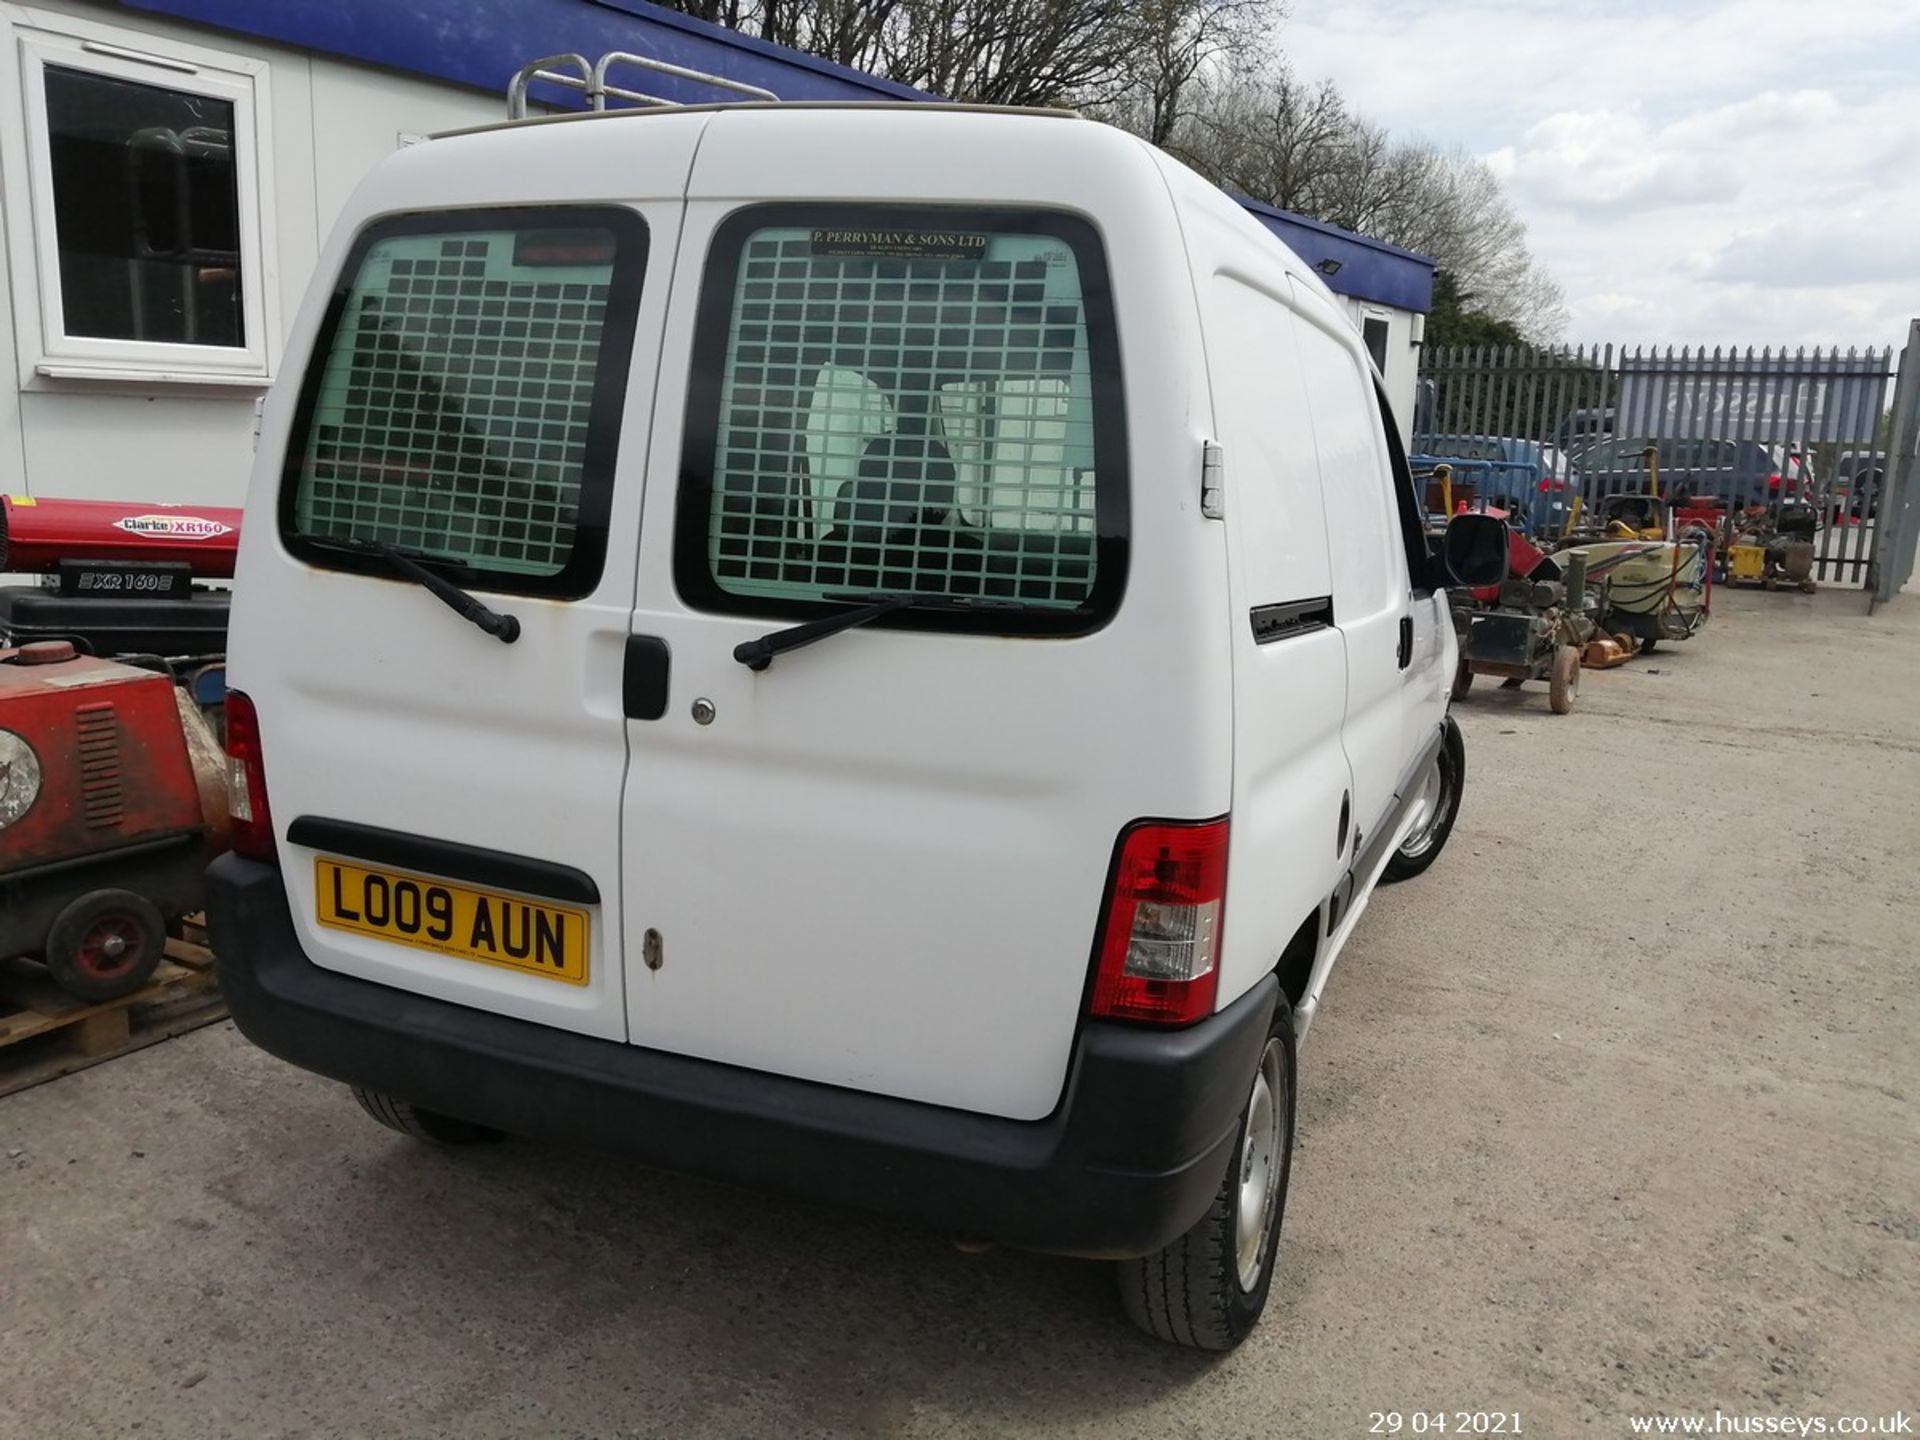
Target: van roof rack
<point>575,73</point>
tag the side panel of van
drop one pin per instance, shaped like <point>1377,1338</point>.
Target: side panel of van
<point>1292,822</point>
<point>1369,564</point>
<point>450,805</point>
<point>879,862</point>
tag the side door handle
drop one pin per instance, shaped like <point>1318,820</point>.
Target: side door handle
<point>643,682</point>
<point>1406,641</point>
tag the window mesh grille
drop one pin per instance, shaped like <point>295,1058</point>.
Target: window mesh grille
<point>452,417</point>
<point>922,424</point>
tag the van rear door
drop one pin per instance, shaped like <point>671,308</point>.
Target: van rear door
<point>450,804</point>
<point>878,862</point>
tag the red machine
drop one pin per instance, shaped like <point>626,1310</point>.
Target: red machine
<point>1523,556</point>
<point>112,801</point>
<point>37,535</point>
<point>126,575</point>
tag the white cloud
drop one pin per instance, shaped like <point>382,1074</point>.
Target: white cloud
<point>1722,171</point>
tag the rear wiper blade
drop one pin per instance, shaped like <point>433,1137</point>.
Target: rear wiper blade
<point>406,564</point>
<point>758,654</point>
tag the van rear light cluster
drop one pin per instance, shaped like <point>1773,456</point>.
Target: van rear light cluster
<point>247,780</point>
<point>1160,941</point>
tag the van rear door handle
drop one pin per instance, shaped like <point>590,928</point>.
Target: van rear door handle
<point>1406,641</point>
<point>643,683</point>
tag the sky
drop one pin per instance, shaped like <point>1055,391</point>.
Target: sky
<point>1719,172</point>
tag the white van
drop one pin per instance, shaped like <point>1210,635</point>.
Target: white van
<point>953,648</point>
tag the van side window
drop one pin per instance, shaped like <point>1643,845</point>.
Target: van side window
<point>1409,504</point>
<point>895,399</point>
<point>463,400</point>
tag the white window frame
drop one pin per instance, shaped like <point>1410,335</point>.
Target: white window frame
<point>47,351</point>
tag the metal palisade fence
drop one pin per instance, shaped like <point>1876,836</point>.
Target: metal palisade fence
<point>1737,427</point>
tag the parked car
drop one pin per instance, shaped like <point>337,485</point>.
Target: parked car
<point>1732,472</point>
<point>1525,477</point>
<point>1858,476</point>
<point>1582,428</point>
<point>871,659</point>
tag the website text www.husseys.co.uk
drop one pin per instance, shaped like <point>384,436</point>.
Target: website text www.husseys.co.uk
<point>1722,1423</point>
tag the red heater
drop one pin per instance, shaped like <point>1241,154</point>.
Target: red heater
<point>124,574</point>
<point>38,536</point>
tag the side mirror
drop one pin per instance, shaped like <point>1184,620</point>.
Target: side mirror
<point>1474,551</point>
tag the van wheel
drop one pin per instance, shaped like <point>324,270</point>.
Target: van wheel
<point>1439,803</point>
<point>1565,685</point>
<point>429,1125</point>
<point>1208,1287</point>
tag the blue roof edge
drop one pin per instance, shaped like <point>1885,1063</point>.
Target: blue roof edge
<point>1294,217</point>
<point>490,39</point>
<point>1362,268</point>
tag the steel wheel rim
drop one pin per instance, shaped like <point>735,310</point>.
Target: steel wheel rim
<point>1262,1162</point>
<point>112,947</point>
<point>1431,809</point>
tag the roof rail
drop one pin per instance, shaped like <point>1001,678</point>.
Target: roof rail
<point>591,80</point>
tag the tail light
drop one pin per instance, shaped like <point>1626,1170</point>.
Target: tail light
<point>1773,482</point>
<point>247,780</point>
<point>1160,941</point>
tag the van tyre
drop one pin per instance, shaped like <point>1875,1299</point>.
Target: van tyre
<point>1207,1288</point>
<point>105,945</point>
<point>428,1125</point>
<point>1442,800</point>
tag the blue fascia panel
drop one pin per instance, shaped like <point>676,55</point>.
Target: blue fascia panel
<point>480,43</point>
<point>1369,269</point>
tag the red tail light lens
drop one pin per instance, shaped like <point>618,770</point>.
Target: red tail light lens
<point>247,780</point>
<point>1773,482</point>
<point>1160,941</point>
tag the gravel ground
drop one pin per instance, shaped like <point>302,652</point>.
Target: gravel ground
<point>1612,1113</point>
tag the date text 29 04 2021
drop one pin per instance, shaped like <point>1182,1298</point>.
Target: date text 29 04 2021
<point>1443,1422</point>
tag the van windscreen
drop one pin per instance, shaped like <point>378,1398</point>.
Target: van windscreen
<point>464,397</point>
<point>905,401</point>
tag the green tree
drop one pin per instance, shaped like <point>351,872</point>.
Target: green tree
<point>1454,321</point>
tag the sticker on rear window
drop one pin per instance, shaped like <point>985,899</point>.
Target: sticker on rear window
<point>901,244</point>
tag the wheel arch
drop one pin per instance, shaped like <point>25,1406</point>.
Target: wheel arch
<point>1294,968</point>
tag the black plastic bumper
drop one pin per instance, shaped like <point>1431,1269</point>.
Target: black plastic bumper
<point>1129,1159</point>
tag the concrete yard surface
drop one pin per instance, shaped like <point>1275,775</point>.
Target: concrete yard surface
<point>1611,1114</point>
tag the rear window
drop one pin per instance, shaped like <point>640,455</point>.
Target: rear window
<point>906,400</point>
<point>464,397</point>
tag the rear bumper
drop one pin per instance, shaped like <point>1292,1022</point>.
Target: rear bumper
<point>1129,1159</point>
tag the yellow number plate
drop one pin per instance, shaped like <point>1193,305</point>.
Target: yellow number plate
<point>525,935</point>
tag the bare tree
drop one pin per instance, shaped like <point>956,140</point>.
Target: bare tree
<point>1197,77</point>
<point>1177,43</point>
<point>1143,54</point>
<point>1259,132</point>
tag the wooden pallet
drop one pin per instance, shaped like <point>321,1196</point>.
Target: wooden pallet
<point>45,1032</point>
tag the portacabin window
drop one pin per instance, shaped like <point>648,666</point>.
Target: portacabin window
<point>142,238</point>
<point>906,399</point>
<point>1375,329</point>
<point>463,399</point>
